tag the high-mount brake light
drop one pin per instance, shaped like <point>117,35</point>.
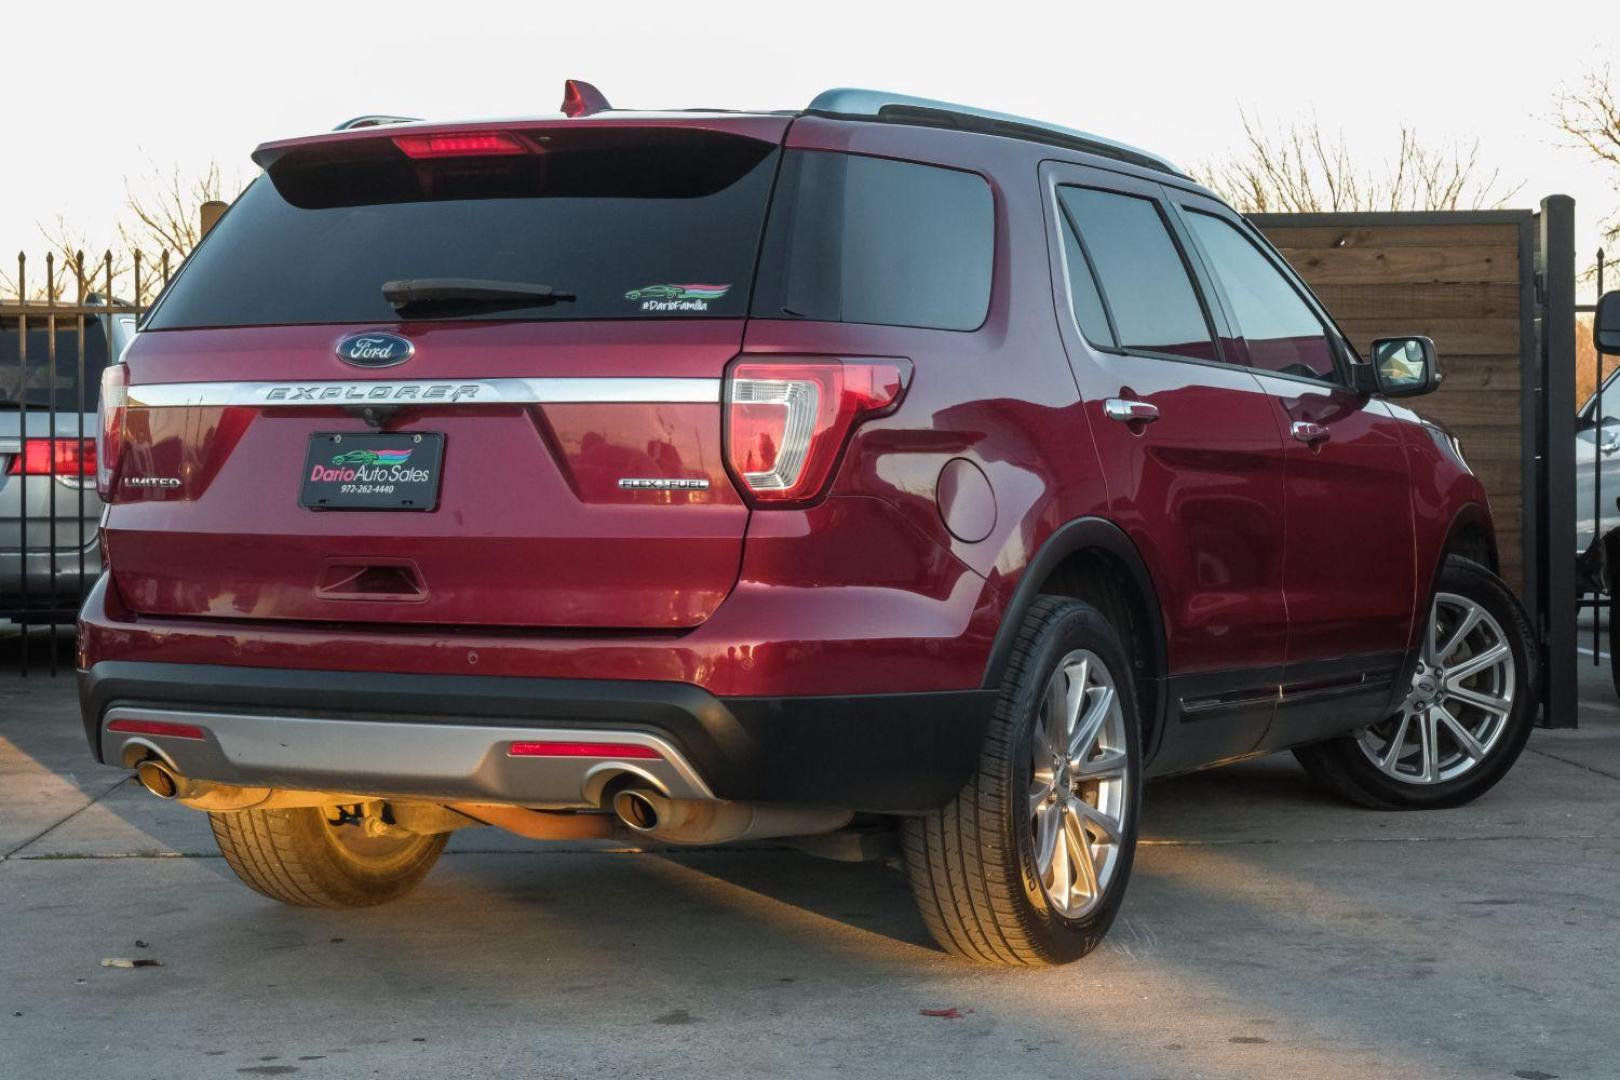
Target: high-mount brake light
<point>461,144</point>
<point>110,431</point>
<point>788,418</point>
<point>582,750</point>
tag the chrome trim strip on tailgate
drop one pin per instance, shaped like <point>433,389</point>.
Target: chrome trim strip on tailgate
<point>452,762</point>
<point>629,390</point>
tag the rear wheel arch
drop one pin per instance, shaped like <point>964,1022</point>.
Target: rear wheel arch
<point>1092,559</point>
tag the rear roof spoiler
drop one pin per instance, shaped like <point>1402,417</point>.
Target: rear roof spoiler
<point>581,99</point>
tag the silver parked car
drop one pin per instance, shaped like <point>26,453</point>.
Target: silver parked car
<point>1597,437</point>
<point>49,550</point>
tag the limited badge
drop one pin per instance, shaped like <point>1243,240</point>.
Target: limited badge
<point>677,297</point>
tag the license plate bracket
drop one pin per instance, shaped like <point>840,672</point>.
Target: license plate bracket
<point>394,471</point>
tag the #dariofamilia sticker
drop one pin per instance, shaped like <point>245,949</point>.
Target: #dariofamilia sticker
<point>672,297</point>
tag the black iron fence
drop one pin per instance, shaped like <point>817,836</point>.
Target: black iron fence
<point>62,322</point>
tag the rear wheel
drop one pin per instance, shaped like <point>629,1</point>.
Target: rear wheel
<point>1466,716</point>
<point>1029,863</point>
<point>307,856</point>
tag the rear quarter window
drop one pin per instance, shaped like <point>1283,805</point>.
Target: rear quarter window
<point>868,240</point>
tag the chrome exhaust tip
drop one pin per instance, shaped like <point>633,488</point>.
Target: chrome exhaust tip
<point>718,821</point>
<point>158,778</point>
<point>637,810</point>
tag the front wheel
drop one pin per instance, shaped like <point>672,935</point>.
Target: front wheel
<point>1465,717</point>
<point>1028,864</point>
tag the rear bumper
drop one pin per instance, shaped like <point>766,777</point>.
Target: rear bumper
<point>448,736</point>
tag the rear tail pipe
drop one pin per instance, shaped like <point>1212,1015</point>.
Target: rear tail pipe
<point>709,821</point>
<point>159,779</point>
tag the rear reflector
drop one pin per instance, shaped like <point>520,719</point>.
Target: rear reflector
<point>158,727</point>
<point>582,750</point>
<point>461,144</point>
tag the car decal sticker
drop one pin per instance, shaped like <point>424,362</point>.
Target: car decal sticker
<point>671,296</point>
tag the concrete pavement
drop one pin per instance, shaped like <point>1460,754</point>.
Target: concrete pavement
<point>1269,931</point>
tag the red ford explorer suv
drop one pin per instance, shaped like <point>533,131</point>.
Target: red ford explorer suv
<point>723,476</point>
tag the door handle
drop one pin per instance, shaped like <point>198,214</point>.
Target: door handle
<point>1308,433</point>
<point>1130,412</point>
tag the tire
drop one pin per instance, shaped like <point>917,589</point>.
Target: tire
<point>1433,768</point>
<point>973,864</point>
<point>298,857</point>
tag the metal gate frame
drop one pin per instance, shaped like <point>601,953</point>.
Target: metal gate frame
<point>1547,280</point>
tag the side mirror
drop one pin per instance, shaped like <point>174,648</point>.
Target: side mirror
<point>1405,366</point>
<point>1606,324</point>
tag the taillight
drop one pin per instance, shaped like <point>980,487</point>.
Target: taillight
<point>69,459</point>
<point>787,419</point>
<point>110,433</point>
<point>461,144</point>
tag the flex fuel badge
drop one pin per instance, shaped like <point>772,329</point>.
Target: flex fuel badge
<point>677,297</point>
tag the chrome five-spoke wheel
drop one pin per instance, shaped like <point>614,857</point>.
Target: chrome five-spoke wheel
<point>1459,702</point>
<point>1077,793</point>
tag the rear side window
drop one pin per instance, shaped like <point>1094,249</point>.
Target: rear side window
<point>1280,331</point>
<point>867,240</point>
<point>1143,278</point>
<point>42,385</point>
<point>632,222</point>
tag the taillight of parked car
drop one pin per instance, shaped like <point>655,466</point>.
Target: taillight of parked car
<point>110,434</point>
<point>66,459</point>
<point>788,418</point>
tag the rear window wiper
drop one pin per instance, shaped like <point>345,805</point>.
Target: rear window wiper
<point>451,295</point>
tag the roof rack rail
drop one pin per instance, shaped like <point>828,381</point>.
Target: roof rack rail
<point>851,103</point>
<point>374,120</point>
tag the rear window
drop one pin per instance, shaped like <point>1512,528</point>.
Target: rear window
<point>634,223</point>
<point>867,240</point>
<point>44,385</point>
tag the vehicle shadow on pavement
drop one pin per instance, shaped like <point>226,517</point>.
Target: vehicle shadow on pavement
<point>1268,928</point>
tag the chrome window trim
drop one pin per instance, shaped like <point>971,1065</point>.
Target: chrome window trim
<point>500,391</point>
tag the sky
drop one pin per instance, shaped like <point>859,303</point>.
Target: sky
<point>145,89</point>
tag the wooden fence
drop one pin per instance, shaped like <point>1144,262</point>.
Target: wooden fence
<point>1461,279</point>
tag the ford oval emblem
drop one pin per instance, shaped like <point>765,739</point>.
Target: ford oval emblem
<point>374,350</point>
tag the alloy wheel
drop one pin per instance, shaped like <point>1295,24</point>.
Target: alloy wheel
<point>1078,784</point>
<point>1459,701</point>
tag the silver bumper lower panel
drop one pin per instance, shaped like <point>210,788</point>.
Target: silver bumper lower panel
<point>447,762</point>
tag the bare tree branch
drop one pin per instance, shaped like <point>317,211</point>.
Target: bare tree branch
<point>162,217</point>
<point>1301,169</point>
<point>1589,117</point>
